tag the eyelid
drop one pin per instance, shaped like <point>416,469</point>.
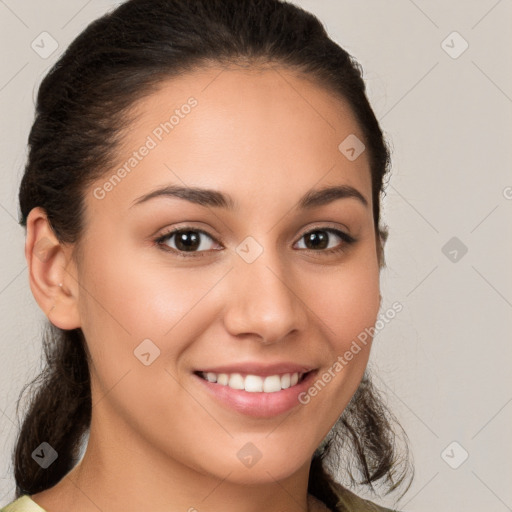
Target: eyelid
<point>325,226</point>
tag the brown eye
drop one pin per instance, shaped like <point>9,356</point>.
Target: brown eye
<point>316,240</point>
<point>325,239</point>
<point>186,240</point>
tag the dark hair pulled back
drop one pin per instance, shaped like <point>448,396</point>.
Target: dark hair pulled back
<point>82,106</point>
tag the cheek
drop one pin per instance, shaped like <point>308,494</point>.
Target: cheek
<point>129,300</point>
<point>136,313</point>
<point>346,302</point>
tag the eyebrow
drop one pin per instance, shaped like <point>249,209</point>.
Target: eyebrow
<point>213,198</point>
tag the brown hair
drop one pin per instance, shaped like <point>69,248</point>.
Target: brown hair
<point>82,102</point>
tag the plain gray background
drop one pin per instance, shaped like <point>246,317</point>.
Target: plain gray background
<point>444,360</point>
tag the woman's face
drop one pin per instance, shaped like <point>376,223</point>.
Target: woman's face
<point>257,283</point>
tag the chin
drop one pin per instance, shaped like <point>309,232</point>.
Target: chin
<point>252,467</point>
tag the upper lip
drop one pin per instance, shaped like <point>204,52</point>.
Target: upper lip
<point>259,368</point>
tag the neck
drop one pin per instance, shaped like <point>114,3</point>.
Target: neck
<point>133,476</point>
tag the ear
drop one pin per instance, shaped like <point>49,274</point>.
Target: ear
<point>52,272</point>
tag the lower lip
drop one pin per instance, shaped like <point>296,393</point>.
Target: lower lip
<point>258,404</point>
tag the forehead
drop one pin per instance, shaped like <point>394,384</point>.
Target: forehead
<point>249,132</point>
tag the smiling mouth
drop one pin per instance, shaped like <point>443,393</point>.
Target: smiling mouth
<point>255,383</point>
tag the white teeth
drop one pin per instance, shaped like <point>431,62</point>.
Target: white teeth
<point>254,383</point>
<point>272,384</point>
<point>236,381</point>
<point>223,378</point>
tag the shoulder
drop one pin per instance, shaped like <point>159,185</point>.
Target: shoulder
<point>347,502</point>
<point>23,504</point>
<point>350,502</point>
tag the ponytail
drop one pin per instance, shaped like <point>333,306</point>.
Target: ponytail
<point>59,413</point>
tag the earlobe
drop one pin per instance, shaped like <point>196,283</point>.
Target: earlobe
<point>51,272</point>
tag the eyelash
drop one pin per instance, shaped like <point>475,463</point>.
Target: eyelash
<point>159,241</point>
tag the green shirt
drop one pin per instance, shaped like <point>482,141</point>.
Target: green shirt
<point>23,504</point>
<point>348,502</point>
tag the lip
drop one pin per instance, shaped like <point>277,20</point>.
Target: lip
<point>263,370</point>
<point>257,404</point>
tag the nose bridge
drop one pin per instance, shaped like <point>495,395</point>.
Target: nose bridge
<point>264,301</point>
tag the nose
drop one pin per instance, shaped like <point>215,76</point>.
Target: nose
<point>264,302</point>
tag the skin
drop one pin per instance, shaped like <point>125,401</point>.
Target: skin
<point>158,441</point>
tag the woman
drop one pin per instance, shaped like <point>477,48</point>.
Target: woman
<point>202,212</point>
